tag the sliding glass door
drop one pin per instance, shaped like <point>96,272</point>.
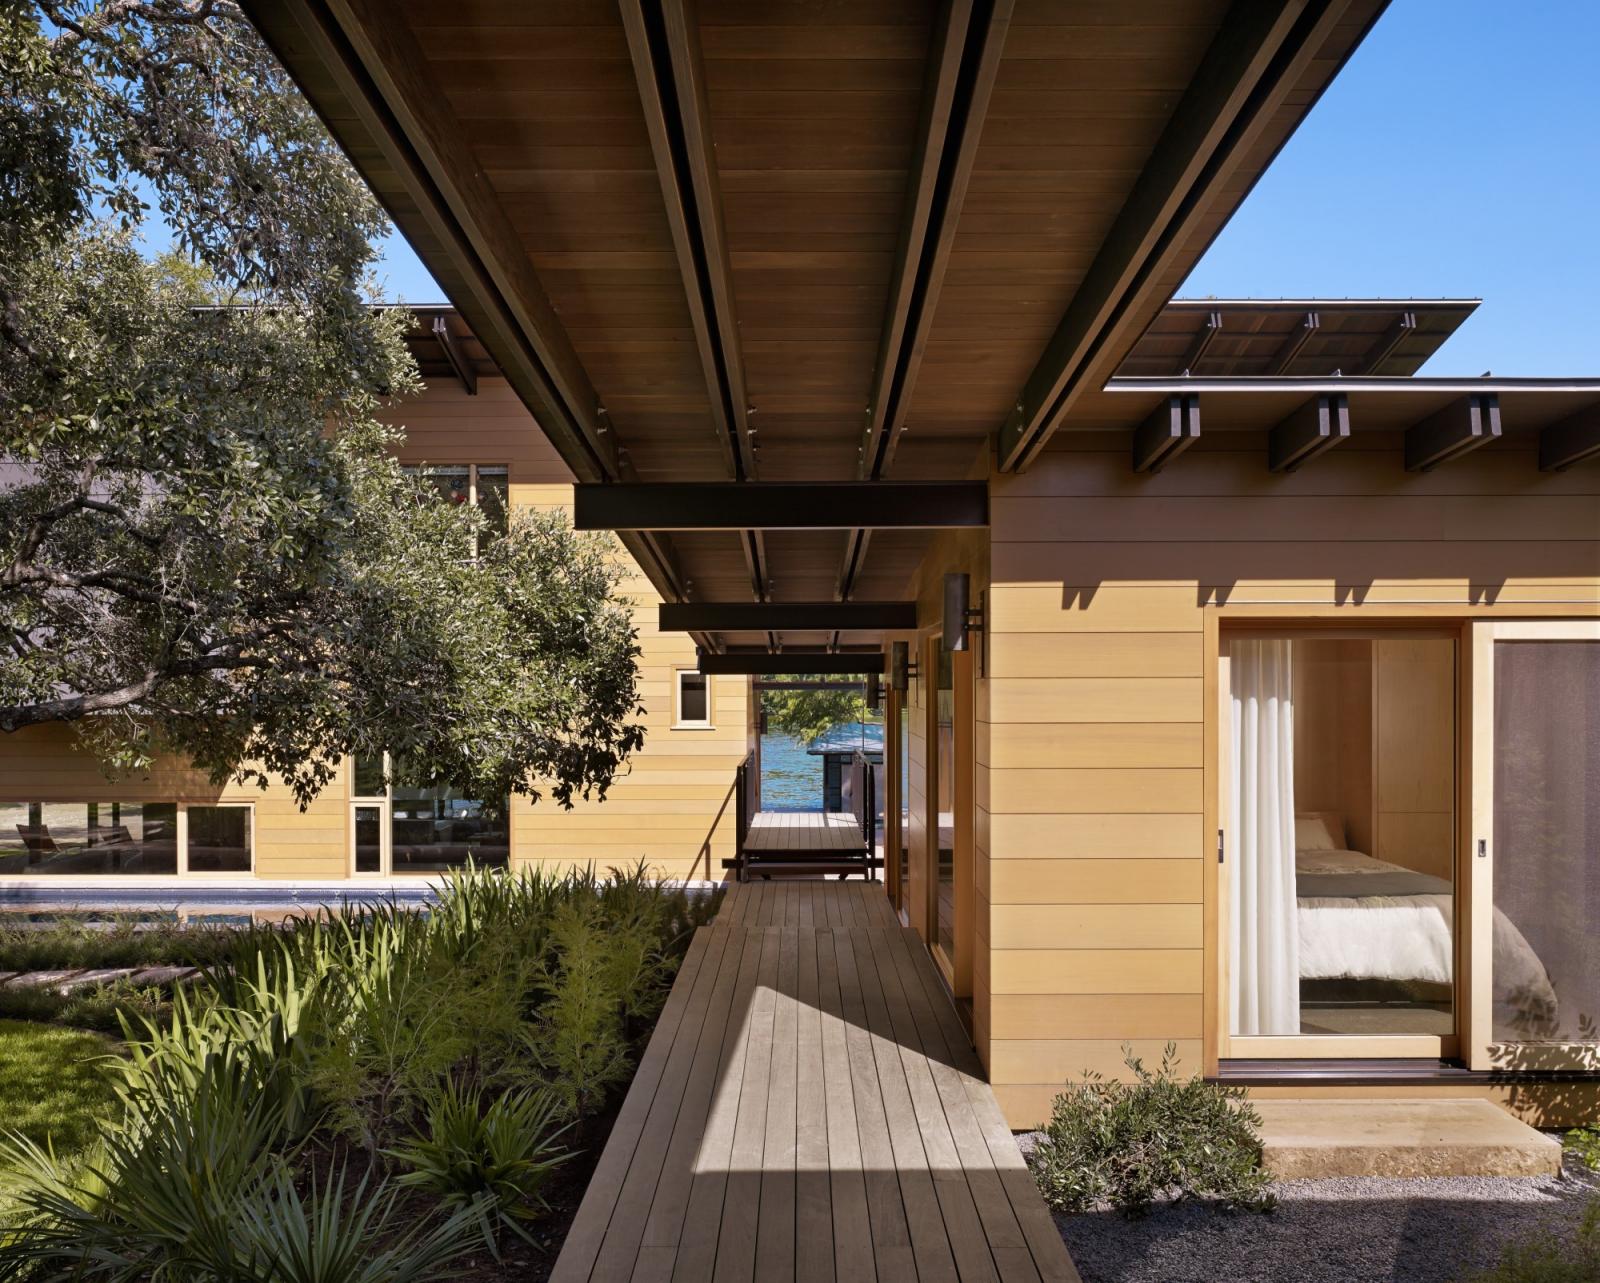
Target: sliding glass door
<point>1535,906</point>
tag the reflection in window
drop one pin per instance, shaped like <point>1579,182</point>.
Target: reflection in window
<point>694,700</point>
<point>494,502</point>
<point>433,828</point>
<point>487,486</point>
<point>369,839</point>
<point>1342,836</point>
<point>219,839</point>
<point>944,751</point>
<point>1546,841</point>
<point>88,838</point>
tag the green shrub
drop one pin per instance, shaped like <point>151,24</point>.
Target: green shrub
<point>80,940</point>
<point>1159,1136</point>
<point>1584,1143</point>
<point>1548,1260</point>
<point>493,1162</point>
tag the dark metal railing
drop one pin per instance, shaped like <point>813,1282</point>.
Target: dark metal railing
<point>863,796</point>
<point>744,787</point>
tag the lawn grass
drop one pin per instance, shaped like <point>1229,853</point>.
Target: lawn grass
<point>51,1090</point>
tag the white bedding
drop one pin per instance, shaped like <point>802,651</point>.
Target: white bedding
<point>1399,937</point>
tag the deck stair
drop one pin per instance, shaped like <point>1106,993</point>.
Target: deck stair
<point>805,843</point>
<point>1308,1138</point>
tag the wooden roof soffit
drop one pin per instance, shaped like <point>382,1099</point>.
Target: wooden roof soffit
<point>1576,439</point>
<point>664,43</point>
<point>456,355</point>
<point>781,505</point>
<point>1293,345</point>
<point>1315,428</point>
<point>1459,428</point>
<point>962,67</point>
<point>375,73</point>
<point>1202,341</point>
<point>1173,426</point>
<point>1400,329</point>
<point>1246,76</point>
<point>794,616</point>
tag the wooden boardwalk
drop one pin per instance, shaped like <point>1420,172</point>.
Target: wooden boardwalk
<point>809,1108</point>
<point>803,831</point>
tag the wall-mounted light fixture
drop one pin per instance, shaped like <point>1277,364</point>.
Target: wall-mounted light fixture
<point>901,669</point>
<point>960,616</point>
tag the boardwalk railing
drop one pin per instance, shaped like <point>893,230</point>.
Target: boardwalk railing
<point>768,843</point>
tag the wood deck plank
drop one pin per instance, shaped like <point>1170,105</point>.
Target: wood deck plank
<point>809,1108</point>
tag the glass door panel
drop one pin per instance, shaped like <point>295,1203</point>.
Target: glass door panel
<point>368,830</point>
<point>1537,763</point>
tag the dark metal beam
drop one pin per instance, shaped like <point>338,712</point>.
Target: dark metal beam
<point>782,505</point>
<point>1251,69</point>
<point>1173,426</point>
<point>1400,329</point>
<point>1576,439</point>
<point>1202,341</point>
<point>1315,428</point>
<point>1295,343</point>
<point>454,353</point>
<point>800,662</point>
<point>1459,428</point>
<point>787,616</point>
<point>961,73</point>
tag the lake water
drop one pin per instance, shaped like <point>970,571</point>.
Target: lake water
<point>791,779</point>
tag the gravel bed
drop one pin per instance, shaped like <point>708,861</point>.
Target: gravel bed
<point>1351,1230</point>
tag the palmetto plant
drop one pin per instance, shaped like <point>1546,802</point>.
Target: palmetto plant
<point>490,1162</point>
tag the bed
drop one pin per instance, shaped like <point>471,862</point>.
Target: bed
<point>1362,918</point>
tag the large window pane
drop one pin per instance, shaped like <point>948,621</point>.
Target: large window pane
<point>694,706</point>
<point>494,501</point>
<point>369,839</point>
<point>43,838</point>
<point>219,839</point>
<point>1546,841</point>
<point>435,828</point>
<point>368,776</point>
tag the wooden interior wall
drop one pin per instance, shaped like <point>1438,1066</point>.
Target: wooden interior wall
<point>1098,854</point>
<point>1333,750</point>
<point>1415,750</point>
<point>673,809</point>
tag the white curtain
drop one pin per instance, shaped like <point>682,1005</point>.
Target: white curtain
<point>1264,931</point>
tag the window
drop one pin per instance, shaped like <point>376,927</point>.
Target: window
<point>694,699</point>
<point>407,825</point>
<point>484,486</point>
<point>115,838</point>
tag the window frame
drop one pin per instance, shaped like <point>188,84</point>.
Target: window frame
<point>249,808</point>
<point>182,871</point>
<point>679,722</point>
<point>385,803</point>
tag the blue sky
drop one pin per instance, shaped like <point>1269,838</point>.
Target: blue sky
<point>1457,155</point>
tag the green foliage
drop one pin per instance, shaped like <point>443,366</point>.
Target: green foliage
<point>102,1007</point>
<point>1545,1259</point>
<point>1159,1136</point>
<point>52,1088</point>
<point>808,715</point>
<point>492,1161</point>
<point>191,562</point>
<point>332,1036</point>
<point>80,940</point>
<point>1584,1142</point>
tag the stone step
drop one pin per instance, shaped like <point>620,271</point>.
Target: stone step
<point>1309,1138</point>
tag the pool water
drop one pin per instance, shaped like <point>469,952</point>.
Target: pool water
<point>791,779</point>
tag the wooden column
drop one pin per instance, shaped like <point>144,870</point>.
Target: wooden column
<point>893,787</point>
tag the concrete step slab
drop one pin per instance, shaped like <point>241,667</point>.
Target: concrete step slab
<point>1310,1139</point>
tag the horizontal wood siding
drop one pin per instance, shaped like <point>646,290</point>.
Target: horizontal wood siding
<point>1094,791</point>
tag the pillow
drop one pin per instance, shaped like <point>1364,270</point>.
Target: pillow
<point>1318,831</point>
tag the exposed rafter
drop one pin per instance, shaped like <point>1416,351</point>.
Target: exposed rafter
<point>1249,72</point>
<point>792,616</point>
<point>782,505</point>
<point>1576,439</point>
<point>456,355</point>
<point>961,74</point>
<point>1457,429</point>
<point>1315,428</point>
<point>1173,426</point>
<point>373,81</point>
<point>1209,329</point>
<point>1400,329</point>
<point>1295,343</point>
<point>664,44</point>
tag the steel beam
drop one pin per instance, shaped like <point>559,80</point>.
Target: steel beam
<point>801,662</point>
<point>1295,343</point>
<point>456,355</point>
<point>787,616</point>
<point>782,505</point>
<point>1173,426</point>
<point>1202,341</point>
<point>1315,428</point>
<point>1459,428</point>
<point>1400,329</point>
<point>1576,439</point>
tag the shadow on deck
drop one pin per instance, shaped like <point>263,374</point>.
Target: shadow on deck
<point>809,1107</point>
